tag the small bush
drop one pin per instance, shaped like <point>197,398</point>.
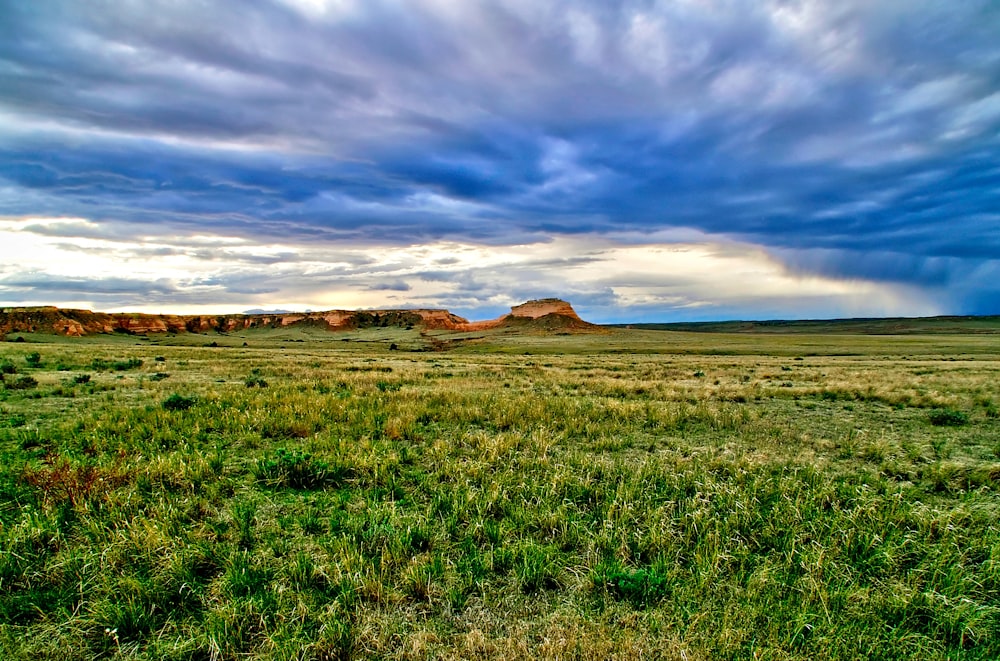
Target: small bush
<point>23,382</point>
<point>387,386</point>
<point>81,379</point>
<point>33,359</point>
<point>7,367</point>
<point>125,365</point>
<point>160,359</point>
<point>948,418</point>
<point>255,381</point>
<point>62,481</point>
<point>178,402</point>
<point>159,376</point>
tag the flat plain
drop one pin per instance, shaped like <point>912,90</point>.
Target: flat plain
<point>392,494</point>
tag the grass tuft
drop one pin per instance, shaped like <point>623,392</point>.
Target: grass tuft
<point>298,470</point>
<point>948,418</point>
<point>642,587</point>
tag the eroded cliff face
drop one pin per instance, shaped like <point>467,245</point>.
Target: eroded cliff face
<point>75,323</point>
<point>552,311</point>
<point>441,319</point>
<point>351,319</point>
<point>544,306</point>
<point>541,314</point>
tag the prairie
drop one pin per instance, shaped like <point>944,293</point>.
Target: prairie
<point>300,494</point>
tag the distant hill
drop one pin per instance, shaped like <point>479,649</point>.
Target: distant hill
<point>863,326</point>
<point>542,314</point>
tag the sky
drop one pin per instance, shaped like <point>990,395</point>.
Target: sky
<point>647,161</point>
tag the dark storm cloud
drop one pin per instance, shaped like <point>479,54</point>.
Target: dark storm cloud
<point>853,139</point>
<point>398,285</point>
<point>41,282</point>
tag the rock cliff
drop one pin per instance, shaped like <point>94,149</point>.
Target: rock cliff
<point>543,307</point>
<point>541,314</point>
<point>548,313</point>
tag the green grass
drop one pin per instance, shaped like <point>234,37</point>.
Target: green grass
<point>617,495</point>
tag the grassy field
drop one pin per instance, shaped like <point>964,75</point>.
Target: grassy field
<point>300,494</point>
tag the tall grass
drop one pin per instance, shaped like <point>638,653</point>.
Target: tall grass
<point>368,504</point>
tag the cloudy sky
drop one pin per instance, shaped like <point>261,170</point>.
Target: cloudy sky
<point>677,160</point>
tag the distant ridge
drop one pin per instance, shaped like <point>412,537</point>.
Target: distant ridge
<point>541,314</point>
<point>857,326</point>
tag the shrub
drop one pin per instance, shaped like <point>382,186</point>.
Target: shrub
<point>117,365</point>
<point>159,376</point>
<point>178,402</point>
<point>948,418</point>
<point>255,380</point>
<point>81,378</point>
<point>24,382</point>
<point>7,367</point>
<point>33,359</point>
<point>62,481</point>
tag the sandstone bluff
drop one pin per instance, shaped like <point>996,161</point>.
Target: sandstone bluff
<point>543,313</point>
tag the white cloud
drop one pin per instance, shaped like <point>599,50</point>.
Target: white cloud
<point>670,274</point>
